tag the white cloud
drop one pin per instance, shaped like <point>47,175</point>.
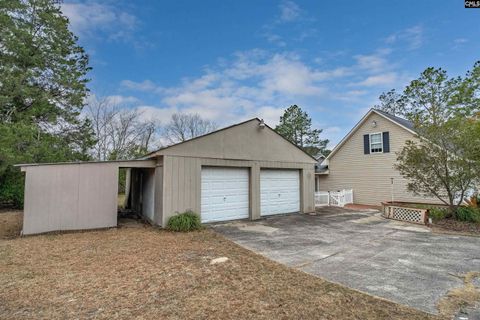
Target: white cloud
<point>460,40</point>
<point>385,79</point>
<point>253,84</point>
<point>121,100</point>
<point>289,11</point>
<point>89,18</point>
<point>412,37</point>
<point>292,18</point>
<point>145,85</point>
<point>374,62</point>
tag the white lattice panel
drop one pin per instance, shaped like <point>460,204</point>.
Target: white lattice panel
<point>407,214</point>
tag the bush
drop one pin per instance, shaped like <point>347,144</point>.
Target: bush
<point>468,214</point>
<point>184,222</point>
<point>437,213</point>
<point>11,188</point>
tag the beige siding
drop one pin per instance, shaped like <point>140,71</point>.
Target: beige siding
<point>369,175</point>
<point>58,197</point>
<point>182,185</point>
<point>245,141</point>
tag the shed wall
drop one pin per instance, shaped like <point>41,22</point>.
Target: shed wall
<point>246,141</point>
<point>182,183</point>
<point>70,197</point>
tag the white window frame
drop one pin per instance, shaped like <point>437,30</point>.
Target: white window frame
<point>370,141</point>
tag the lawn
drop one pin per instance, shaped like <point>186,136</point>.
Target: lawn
<point>146,273</point>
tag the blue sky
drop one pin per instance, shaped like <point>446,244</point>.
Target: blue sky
<point>234,60</point>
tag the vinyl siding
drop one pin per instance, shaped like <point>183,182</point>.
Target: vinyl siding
<point>182,183</point>
<point>369,175</point>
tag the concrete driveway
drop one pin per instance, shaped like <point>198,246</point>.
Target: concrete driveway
<point>401,262</point>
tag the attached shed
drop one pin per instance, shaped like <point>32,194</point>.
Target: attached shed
<point>73,196</point>
<point>244,171</point>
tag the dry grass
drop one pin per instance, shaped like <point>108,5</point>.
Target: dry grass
<point>456,227</point>
<point>459,298</point>
<point>146,273</point>
<point>10,223</point>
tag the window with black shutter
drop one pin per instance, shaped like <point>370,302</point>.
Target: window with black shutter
<point>376,142</point>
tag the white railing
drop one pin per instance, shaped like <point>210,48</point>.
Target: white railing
<point>333,198</point>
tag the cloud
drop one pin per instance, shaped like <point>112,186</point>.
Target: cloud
<point>385,79</point>
<point>289,11</point>
<point>290,24</point>
<point>374,62</point>
<point>253,83</point>
<point>460,40</point>
<point>121,100</point>
<point>412,38</point>
<point>145,85</point>
<point>91,19</point>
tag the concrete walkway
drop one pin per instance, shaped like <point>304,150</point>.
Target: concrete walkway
<point>401,262</point>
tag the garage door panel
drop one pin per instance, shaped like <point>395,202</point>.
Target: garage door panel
<point>225,194</point>
<point>279,191</point>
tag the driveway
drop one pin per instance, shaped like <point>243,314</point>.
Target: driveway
<point>401,262</point>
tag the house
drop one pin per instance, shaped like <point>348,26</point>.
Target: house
<point>364,161</point>
<point>244,171</point>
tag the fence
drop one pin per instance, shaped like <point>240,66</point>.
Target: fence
<point>409,214</point>
<point>333,198</point>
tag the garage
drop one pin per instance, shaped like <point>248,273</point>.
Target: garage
<point>243,171</point>
<point>279,191</point>
<point>225,194</point>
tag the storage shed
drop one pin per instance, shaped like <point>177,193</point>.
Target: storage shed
<point>244,171</point>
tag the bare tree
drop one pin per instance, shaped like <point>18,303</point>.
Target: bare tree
<point>121,133</point>
<point>187,126</point>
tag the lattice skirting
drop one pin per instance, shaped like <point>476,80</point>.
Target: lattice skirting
<point>406,214</point>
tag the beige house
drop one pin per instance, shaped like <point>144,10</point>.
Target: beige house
<point>244,171</point>
<point>364,161</point>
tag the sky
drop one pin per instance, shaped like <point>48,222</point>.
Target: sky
<point>233,60</point>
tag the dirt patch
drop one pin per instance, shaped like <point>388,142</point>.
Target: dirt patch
<point>458,227</point>
<point>11,222</point>
<point>459,299</point>
<point>327,210</point>
<point>149,273</point>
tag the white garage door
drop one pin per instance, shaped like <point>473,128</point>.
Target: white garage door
<point>224,194</point>
<point>279,191</point>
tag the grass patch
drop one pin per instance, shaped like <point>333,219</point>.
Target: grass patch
<point>184,222</point>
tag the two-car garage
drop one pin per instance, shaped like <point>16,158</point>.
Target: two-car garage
<point>225,193</point>
<point>244,171</point>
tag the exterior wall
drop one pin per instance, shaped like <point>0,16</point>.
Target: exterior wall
<point>148,193</point>
<point>70,197</point>
<point>246,141</point>
<point>369,175</point>
<point>182,183</point>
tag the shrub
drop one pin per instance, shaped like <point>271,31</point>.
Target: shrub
<point>468,214</point>
<point>437,213</point>
<point>184,222</point>
<point>11,188</point>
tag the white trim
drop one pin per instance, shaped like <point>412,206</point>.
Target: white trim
<point>370,142</point>
<point>359,123</point>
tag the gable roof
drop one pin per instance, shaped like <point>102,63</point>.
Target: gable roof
<point>158,152</point>
<point>400,121</point>
<point>403,123</point>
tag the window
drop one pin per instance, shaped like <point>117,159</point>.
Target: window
<point>376,143</point>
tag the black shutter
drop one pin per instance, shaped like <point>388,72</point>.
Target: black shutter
<point>386,142</point>
<point>366,144</point>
